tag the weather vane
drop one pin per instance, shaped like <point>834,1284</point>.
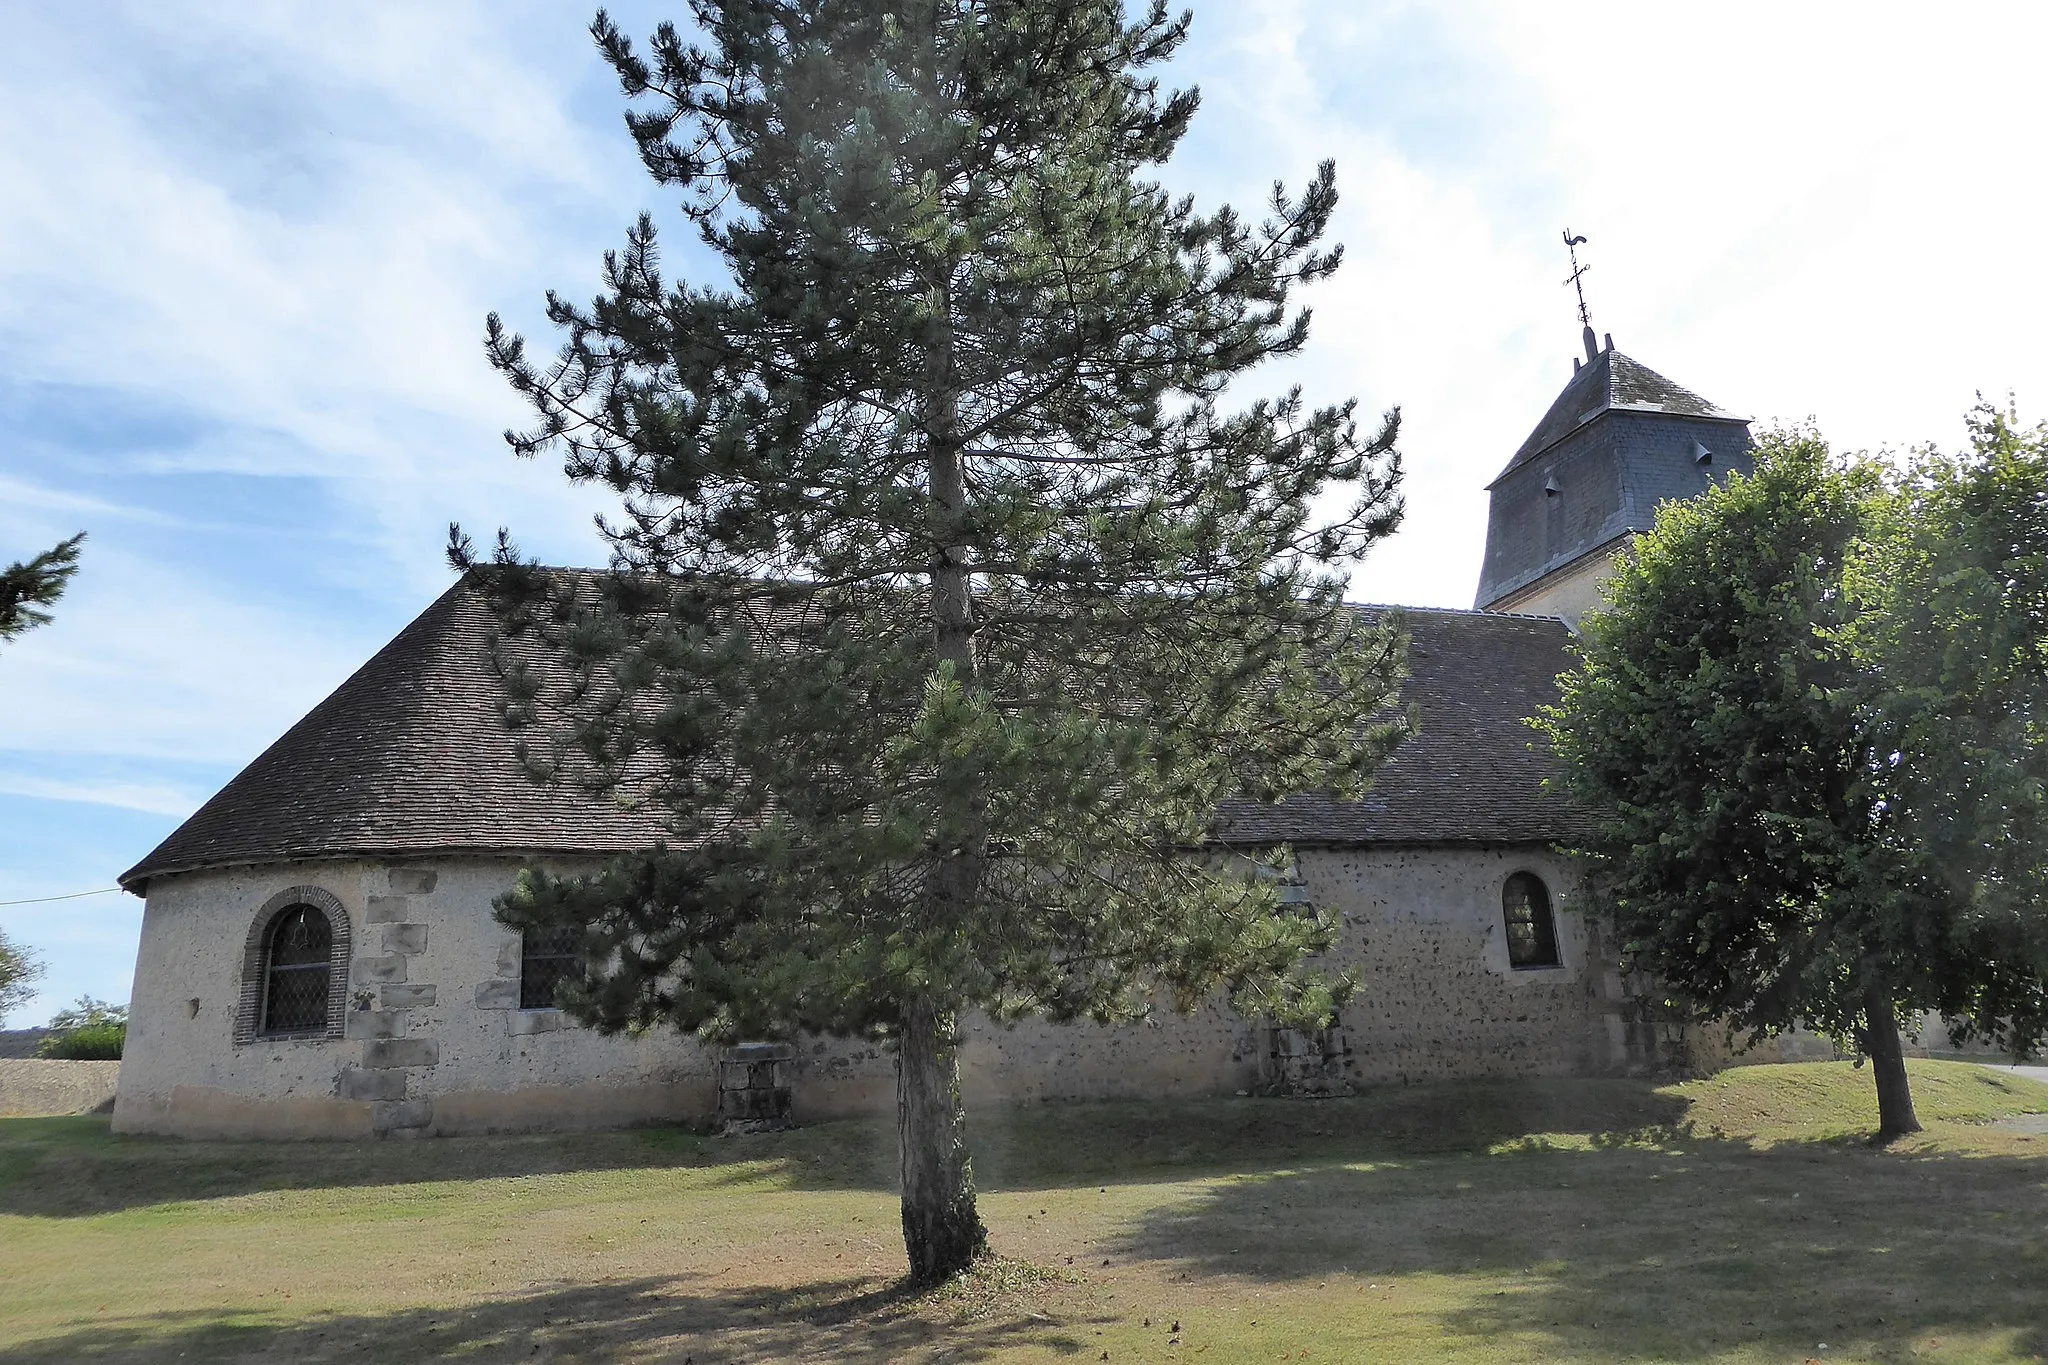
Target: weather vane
<point>1577,278</point>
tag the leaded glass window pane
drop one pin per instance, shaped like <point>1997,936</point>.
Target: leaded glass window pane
<point>547,957</point>
<point>297,975</point>
<point>1532,930</point>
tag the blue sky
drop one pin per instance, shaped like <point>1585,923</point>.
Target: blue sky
<point>246,252</point>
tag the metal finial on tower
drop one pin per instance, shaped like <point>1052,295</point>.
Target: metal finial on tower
<point>1577,281</point>
<point>1572,244</point>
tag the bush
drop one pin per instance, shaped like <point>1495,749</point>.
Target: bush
<point>90,1031</point>
<point>91,1043</point>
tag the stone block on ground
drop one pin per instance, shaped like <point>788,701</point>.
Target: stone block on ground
<point>754,1087</point>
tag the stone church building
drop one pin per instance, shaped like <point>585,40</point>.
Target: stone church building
<point>319,957</point>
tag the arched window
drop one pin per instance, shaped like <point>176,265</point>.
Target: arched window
<point>297,971</point>
<point>1532,930</point>
<point>295,968</point>
<point>547,957</point>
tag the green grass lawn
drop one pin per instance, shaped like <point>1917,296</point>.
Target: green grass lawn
<point>1743,1218</point>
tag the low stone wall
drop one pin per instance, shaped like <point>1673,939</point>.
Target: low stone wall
<point>30,1087</point>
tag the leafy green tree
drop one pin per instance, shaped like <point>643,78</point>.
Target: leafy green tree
<point>1714,727</point>
<point>90,1031</point>
<point>19,971</point>
<point>26,588</point>
<point>948,601</point>
<point>1954,622</point>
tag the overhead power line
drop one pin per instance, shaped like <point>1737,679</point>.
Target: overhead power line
<point>44,900</point>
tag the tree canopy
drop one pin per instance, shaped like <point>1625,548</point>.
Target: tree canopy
<point>1953,628</point>
<point>1754,721</point>
<point>19,971</point>
<point>949,596</point>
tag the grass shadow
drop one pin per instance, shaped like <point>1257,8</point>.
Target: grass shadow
<point>1680,1249</point>
<point>650,1319</point>
<point>69,1167</point>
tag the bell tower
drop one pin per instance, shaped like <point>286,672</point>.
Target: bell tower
<point>1619,440</point>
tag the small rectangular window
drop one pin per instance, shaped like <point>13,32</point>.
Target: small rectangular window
<point>548,957</point>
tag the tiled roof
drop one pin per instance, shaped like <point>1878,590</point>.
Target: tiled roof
<point>1475,771</point>
<point>1611,382</point>
<point>409,757</point>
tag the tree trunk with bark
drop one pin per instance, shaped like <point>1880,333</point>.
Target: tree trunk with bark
<point>1895,1116</point>
<point>941,1229</point>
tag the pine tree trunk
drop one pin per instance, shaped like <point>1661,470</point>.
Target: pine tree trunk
<point>1895,1116</point>
<point>941,1229</point>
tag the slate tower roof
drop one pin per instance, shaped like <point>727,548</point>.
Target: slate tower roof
<point>1618,440</point>
<point>409,758</point>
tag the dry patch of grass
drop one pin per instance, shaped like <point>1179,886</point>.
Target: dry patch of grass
<point>1737,1219</point>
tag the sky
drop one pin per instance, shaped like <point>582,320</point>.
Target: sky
<point>247,249</point>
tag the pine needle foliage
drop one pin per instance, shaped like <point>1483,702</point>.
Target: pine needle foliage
<point>30,586</point>
<point>949,599</point>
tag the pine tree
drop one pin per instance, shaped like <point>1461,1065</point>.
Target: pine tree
<point>948,601</point>
<point>26,588</point>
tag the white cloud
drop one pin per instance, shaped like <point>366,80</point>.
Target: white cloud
<point>152,663</point>
<point>151,798</point>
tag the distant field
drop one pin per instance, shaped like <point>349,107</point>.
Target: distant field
<point>1743,1218</point>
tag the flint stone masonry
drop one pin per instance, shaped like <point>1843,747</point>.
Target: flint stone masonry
<point>1423,929</point>
<point>405,938</point>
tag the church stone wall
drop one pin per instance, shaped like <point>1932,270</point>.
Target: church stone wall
<point>435,1042</point>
